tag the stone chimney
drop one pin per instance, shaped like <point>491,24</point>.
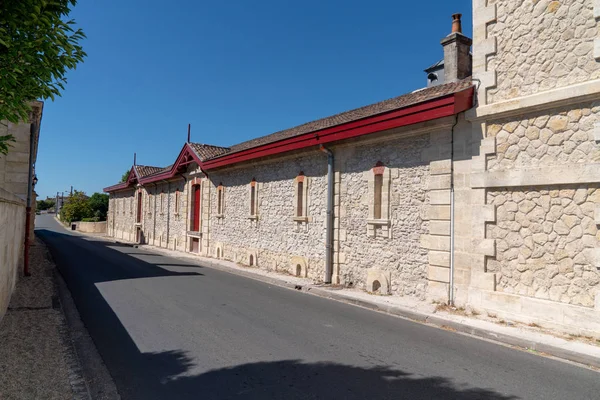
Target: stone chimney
<point>457,55</point>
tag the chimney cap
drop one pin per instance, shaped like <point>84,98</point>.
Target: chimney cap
<point>456,23</point>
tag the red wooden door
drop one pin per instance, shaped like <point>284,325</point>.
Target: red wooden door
<point>196,221</point>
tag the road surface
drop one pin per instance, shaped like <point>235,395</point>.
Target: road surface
<point>167,329</point>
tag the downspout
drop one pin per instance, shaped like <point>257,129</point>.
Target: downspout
<point>451,294</point>
<point>330,216</point>
<point>26,272</point>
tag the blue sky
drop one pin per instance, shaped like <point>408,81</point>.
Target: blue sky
<point>234,70</point>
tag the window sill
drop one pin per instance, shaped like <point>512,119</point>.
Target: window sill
<point>378,222</point>
<point>194,234</point>
<point>219,215</point>
<point>302,219</point>
<point>255,217</point>
<point>137,224</point>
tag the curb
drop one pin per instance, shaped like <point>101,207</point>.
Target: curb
<point>423,318</point>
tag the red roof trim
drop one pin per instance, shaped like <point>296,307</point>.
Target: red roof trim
<point>440,107</point>
<point>433,109</point>
<point>186,155</point>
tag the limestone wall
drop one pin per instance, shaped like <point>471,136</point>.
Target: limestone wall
<point>14,167</point>
<point>541,45</point>
<point>553,137</point>
<point>398,252</point>
<point>12,214</point>
<point>275,239</point>
<point>545,241</point>
<point>92,227</point>
<point>121,215</point>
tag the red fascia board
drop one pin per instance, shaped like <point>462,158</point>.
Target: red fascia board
<point>427,111</point>
<point>186,151</point>
<point>116,187</point>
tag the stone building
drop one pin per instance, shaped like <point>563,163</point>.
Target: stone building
<point>17,179</point>
<point>481,189</point>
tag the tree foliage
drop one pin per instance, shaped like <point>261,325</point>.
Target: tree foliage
<point>38,45</point>
<point>125,176</point>
<point>76,208</point>
<point>43,205</point>
<point>98,203</point>
<point>79,207</point>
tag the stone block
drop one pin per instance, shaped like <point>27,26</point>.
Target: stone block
<point>483,280</point>
<point>439,182</point>
<point>461,276</point>
<point>500,301</point>
<point>597,303</point>
<point>543,309</point>
<point>439,197</point>
<point>438,274</point>
<point>488,145</point>
<point>433,242</point>
<point>487,247</point>
<point>597,132</point>
<point>438,212</point>
<point>438,291</point>
<point>485,15</point>
<point>439,258</point>
<point>439,227</point>
<point>440,167</point>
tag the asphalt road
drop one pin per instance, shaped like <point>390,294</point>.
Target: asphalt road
<point>167,329</point>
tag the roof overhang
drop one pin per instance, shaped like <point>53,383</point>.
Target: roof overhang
<point>429,110</point>
<point>439,107</point>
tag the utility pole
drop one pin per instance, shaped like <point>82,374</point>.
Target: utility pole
<point>71,190</point>
<point>56,205</point>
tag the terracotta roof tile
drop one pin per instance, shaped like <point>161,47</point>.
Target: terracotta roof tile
<point>206,151</point>
<point>359,113</point>
<point>145,170</point>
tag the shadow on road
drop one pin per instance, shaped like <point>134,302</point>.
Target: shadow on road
<point>167,375</point>
<point>294,379</point>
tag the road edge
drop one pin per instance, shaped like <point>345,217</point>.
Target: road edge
<point>530,346</point>
<point>99,383</point>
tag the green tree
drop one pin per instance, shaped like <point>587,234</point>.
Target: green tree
<point>98,203</point>
<point>38,45</point>
<point>125,176</point>
<point>43,205</point>
<point>76,208</point>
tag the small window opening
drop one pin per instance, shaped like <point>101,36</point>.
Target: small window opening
<point>378,194</point>
<point>298,270</point>
<point>300,205</point>
<point>253,198</point>
<point>251,260</point>
<point>376,286</point>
